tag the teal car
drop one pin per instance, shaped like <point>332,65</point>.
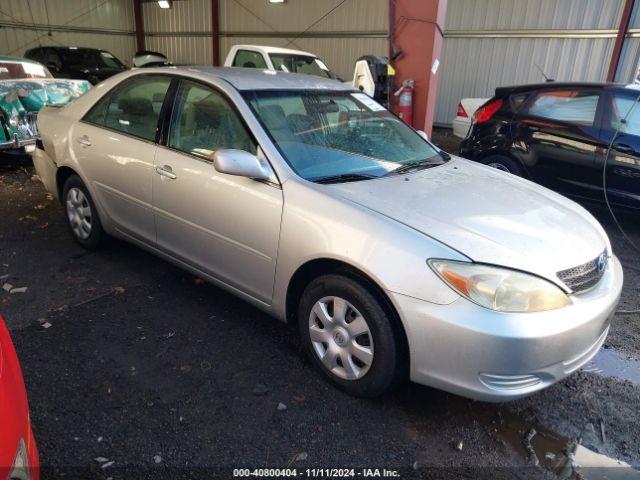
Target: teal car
<point>26,87</point>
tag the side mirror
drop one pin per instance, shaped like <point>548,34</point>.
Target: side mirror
<point>240,163</point>
<point>423,134</point>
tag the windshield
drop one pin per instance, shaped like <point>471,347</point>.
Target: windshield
<point>339,135</point>
<point>304,64</point>
<point>17,70</point>
<point>88,57</point>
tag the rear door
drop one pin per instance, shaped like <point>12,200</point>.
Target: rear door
<point>115,145</point>
<point>556,134</point>
<point>621,129</point>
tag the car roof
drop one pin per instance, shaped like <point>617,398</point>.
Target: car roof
<point>268,49</point>
<point>510,90</point>
<point>258,79</point>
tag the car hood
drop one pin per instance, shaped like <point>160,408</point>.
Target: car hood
<point>487,215</point>
<point>20,97</point>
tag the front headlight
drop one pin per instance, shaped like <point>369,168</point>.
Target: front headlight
<point>500,289</point>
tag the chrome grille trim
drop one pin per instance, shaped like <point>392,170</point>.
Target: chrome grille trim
<point>583,277</point>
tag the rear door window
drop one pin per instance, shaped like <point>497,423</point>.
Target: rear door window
<point>133,108</point>
<point>572,106</point>
<point>249,59</point>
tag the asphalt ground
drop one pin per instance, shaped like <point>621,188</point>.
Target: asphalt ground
<point>128,359</point>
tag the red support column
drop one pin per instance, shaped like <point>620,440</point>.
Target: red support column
<point>623,28</point>
<point>417,37</point>
<point>215,30</point>
<point>137,15</point>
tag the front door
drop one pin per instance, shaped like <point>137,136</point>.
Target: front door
<point>115,143</point>
<point>556,135</point>
<point>621,130</point>
<point>224,225</point>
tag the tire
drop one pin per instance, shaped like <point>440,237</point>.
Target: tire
<point>81,214</point>
<point>367,364</point>
<point>504,164</point>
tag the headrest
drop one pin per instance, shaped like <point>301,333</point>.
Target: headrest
<point>136,106</point>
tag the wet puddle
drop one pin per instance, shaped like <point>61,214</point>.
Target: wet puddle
<point>611,363</point>
<point>567,459</point>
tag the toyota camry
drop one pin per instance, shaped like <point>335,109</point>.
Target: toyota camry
<point>310,200</point>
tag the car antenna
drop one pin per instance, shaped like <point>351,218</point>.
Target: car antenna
<point>546,79</point>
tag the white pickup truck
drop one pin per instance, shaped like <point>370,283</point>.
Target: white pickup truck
<point>277,59</point>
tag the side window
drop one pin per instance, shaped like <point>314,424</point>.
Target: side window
<point>98,112</point>
<point>621,106</point>
<point>572,106</point>
<point>249,59</point>
<point>133,108</point>
<point>203,121</point>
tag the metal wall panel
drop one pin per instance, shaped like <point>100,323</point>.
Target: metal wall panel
<point>107,14</point>
<point>297,15</point>
<point>106,24</point>
<point>533,14</point>
<point>184,16</point>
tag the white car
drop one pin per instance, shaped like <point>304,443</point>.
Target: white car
<point>466,109</point>
<point>278,60</point>
<point>307,198</point>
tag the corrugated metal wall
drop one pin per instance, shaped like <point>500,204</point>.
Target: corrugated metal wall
<point>106,24</point>
<point>353,29</point>
<point>489,43</point>
<point>183,33</point>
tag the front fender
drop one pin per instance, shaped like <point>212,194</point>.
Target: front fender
<point>316,225</point>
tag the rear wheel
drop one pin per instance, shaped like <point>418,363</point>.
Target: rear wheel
<point>81,214</point>
<point>349,336</point>
<point>504,164</point>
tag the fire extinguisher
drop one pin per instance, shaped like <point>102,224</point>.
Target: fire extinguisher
<point>405,102</point>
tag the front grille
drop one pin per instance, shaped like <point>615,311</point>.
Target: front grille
<point>585,276</point>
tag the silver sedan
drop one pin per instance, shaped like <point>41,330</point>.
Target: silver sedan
<point>311,201</point>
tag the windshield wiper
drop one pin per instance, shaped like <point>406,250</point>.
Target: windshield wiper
<point>344,177</point>
<point>411,165</point>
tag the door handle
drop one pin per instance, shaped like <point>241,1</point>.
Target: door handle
<point>622,148</point>
<point>166,171</point>
<point>84,141</point>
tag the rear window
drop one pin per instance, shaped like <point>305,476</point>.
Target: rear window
<point>573,106</point>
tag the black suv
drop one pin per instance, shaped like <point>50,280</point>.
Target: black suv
<point>558,135</point>
<point>77,62</point>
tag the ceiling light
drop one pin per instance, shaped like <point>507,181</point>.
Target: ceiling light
<point>164,3</point>
<point>277,1</point>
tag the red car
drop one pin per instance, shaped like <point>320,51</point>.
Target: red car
<point>18,452</point>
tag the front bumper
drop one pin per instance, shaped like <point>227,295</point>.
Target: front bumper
<point>478,353</point>
<point>28,144</point>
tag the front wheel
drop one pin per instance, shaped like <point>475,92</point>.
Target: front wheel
<point>81,214</point>
<point>349,336</point>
